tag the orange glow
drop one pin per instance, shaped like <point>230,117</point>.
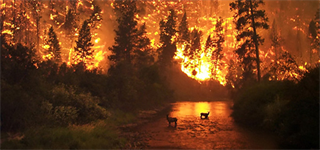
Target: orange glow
<point>201,67</point>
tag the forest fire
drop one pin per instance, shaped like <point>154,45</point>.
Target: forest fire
<point>66,17</point>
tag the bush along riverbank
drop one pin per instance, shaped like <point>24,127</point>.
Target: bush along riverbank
<point>288,109</point>
<point>52,105</point>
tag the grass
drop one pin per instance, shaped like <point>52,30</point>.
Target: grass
<point>97,135</point>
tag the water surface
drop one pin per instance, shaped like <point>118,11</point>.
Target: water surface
<point>217,132</point>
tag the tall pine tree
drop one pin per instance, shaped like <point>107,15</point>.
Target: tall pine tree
<point>313,38</point>
<point>54,47</point>
<point>184,35</point>
<point>248,18</point>
<point>126,33</point>
<point>143,56</point>
<point>168,48</point>
<point>219,40</point>
<point>83,50</point>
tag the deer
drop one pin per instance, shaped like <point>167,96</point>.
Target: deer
<point>171,119</point>
<point>205,115</point>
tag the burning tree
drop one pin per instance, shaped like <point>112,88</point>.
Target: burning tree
<point>83,51</point>
<point>95,17</point>
<point>286,68</point>
<point>248,19</point>
<point>53,46</point>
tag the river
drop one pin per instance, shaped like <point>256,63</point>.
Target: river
<point>219,131</point>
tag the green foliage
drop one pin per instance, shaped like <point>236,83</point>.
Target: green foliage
<point>68,105</point>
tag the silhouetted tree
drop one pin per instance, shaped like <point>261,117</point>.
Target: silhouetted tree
<point>217,53</point>
<point>17,62</point>
<point>125,33</point>
<point>184,35</point>
<point>83,51</point>
<point>248,20</point>
<point>195,42</point>
<point>209,43</point>
<point>143,56</point>
<point>313,38</point>
<point>168,48</point>
<point>275,39</point>
<point>54,47</point>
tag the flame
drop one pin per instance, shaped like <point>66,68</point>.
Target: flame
<point>201,67</point>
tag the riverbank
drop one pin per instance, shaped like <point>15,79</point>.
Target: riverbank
<point>113,132</point>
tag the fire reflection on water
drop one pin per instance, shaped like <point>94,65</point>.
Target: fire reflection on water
<point>193,109</point>
<point>217,132</point>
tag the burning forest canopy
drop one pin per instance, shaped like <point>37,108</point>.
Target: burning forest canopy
<point>287,42</point>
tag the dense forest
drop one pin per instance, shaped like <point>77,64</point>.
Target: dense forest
<point>72,71</point>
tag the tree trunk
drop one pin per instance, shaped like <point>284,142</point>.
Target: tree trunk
<point>255,41</point>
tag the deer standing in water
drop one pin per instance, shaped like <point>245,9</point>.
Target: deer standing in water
<point>171,119</point>
<point>205,115</point>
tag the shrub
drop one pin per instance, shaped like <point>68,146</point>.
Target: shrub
<point>250,102</point>
<point>70,105</point>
